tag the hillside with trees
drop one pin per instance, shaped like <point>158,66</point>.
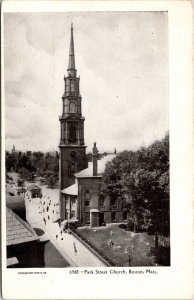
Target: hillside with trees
<point>34,164</point>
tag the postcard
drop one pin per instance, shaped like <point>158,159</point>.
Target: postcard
<point>97,150</point>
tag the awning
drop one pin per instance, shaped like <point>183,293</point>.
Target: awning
<point>71,190</point>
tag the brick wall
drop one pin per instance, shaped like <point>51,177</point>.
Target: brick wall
<point>66,159</point>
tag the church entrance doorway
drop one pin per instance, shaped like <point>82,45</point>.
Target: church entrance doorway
<point>101,219</point>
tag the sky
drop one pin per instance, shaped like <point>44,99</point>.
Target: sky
<point>122,61</point>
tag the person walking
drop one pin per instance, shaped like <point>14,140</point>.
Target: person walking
<point>75,249</point>
<point>129,260</point>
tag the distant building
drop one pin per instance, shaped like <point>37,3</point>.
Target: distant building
<point>41,180</point>
<point>24,250</point>
<point>13,149</point>
<point>35,191</point>
<point>15,154</point>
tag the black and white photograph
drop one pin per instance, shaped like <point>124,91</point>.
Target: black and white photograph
<point>87,129</point>
<point>87,176</point>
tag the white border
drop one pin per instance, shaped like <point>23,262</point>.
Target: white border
<point>175,282</point>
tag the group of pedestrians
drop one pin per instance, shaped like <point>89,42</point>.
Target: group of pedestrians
<point>46,211</point>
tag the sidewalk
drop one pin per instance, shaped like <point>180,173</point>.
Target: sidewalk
<point>42,213</point>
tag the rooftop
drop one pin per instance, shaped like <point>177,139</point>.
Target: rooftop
<point>33,187</point>
<point>15,201</point>
<point>101,167</point>
<point>71,190</point>
<point>18,231</point>
<point>88,172</point>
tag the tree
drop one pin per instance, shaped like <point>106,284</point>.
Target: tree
<point>142,175</point>
<point>11,161</point>
<point>51,181</point>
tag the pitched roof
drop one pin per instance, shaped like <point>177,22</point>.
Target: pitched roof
<point>33,187</point>
<point>18,231</point>
<point>101,167</point>
<point>15,201</point>
<point>71,190</point>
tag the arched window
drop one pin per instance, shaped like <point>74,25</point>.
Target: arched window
<point>87,198</point>
<point>102,198</point>
<point>72,108</point>
<point>72,169</point>
<point>67,86</point>
<point>72,134</point>
<point>66,106</point>
<point>72,86</point>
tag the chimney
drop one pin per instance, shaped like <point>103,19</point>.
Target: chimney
<point>95,160</point>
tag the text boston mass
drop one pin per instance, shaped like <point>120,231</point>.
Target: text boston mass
<point>114,272</point>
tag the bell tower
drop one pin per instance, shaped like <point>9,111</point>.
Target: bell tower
<point>72,148</point>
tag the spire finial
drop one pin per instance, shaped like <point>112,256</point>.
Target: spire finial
<point>71,65</point>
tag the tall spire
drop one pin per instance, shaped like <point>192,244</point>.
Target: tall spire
<point>71,65</point>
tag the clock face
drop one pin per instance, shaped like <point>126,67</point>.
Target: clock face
<point>72,108</point>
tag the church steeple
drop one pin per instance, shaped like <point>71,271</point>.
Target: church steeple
<point>13,149</point>
<point>71,67</point>
<point>72,147</point>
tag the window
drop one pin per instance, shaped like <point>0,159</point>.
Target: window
<point>72,134</point>
<point>72,169</point>
<point>72,108</point>
<point>72,86</point>
<point>66,106</point>
<point>113,199</point>
<point>113,216</point>
<point>125,215</point>
<point>87,198</point>
<point>102,198</point>
<point>67,85</point>
<point>73,201</point>
<point>72,214</point>
<point>67,214</point>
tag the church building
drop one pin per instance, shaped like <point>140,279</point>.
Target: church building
<point>80,180</point>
